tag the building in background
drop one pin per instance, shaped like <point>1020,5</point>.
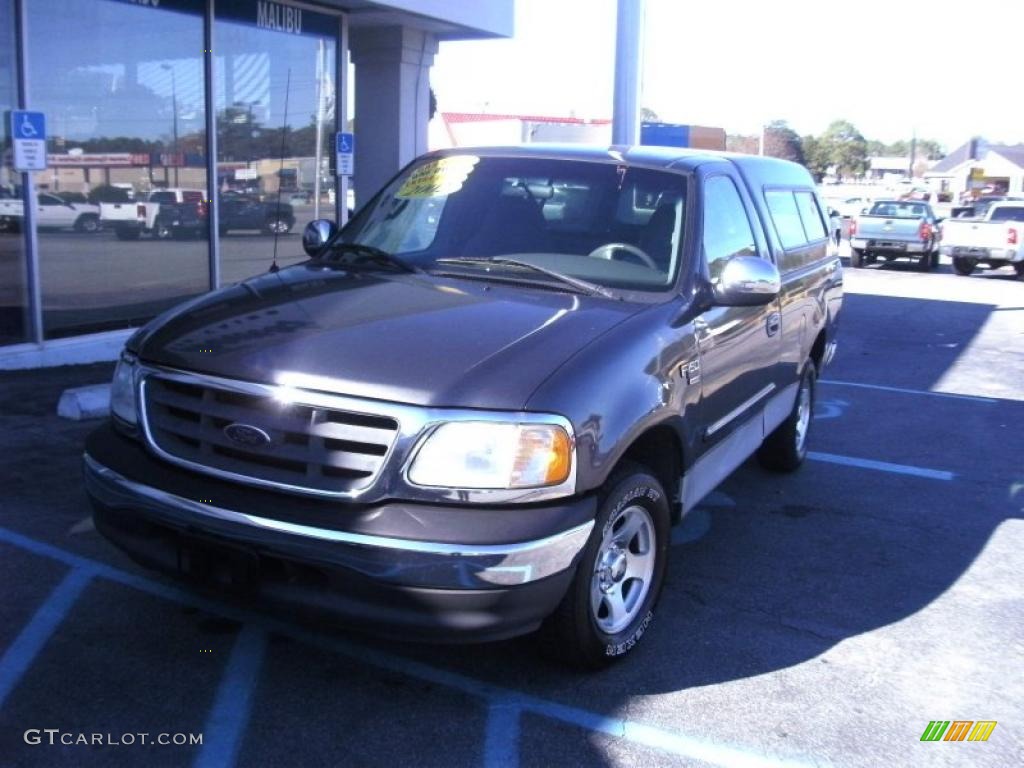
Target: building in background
<point>978,167</point>
<point>136,104</point>
<point>477,129</point>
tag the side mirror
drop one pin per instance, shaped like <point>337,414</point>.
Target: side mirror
<point>864,210</point>
<point>316,235</point>
<point>747,281</point>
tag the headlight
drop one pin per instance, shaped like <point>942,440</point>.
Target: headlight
<point>122,391</point>
<point>487,455</point>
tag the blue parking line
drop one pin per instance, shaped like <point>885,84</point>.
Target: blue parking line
<point>501,741</point>
<point>227,722</point>
<point>904,391</point>
<point>26,646</point>
<point>666,741</point>
<point>881,466</point>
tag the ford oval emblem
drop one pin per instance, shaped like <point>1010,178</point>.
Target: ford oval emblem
<point>247,435</point>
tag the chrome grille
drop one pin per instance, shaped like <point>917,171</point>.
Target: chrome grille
<point>311,448</point>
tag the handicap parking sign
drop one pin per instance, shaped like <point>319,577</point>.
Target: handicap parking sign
<point>345,148</point>
<point>28,133</point>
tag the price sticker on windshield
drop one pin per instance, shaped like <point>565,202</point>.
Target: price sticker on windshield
<point>438,178</point>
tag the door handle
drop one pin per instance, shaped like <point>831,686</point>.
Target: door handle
<point>772,324</point>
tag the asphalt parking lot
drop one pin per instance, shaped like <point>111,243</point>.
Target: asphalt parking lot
<point>822,618</point>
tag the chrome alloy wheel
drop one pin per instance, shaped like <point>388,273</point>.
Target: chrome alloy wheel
<point>803,414</point>
<point>623,569</point>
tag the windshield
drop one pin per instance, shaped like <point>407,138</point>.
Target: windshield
<point>611,225</point>
<point>899,210</point>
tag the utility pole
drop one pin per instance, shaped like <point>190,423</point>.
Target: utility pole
<point>628,67</point>
<point>174,108</point>
<point>913,152</point>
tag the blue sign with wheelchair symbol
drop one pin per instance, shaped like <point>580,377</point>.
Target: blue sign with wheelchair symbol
<point>28,131</point>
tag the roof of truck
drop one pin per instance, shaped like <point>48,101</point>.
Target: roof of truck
<point>758,169</point>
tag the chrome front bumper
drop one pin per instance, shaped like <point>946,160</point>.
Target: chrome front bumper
<point>385,559</point>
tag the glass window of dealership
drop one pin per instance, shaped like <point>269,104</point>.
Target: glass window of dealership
<point>136,106</point>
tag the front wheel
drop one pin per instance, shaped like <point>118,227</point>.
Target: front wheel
<point>277,227</point>
<point>963,266</point>
<point>785,449</point>
<point>856,258</point>
<point>611,600</point>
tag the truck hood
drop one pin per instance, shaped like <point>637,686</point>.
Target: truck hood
<point>411,338</point>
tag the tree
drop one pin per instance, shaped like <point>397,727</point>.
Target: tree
<point>816,157</point>
<point>846,148</point>
<point>782,141</point>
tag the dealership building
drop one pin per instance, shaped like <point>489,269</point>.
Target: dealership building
<point>232,105</point>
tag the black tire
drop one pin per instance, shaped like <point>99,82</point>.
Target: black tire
<point>856,258</point>
<point>963,266</point>
<point>162,231</point>
<point>127,233</point>
<point>785,449</point>
<point>572,633</point>
<point>1019,269</point>
<point>935,259</point>
<point>277,226</point>
<point>924,262</point>
<point>87,222</point>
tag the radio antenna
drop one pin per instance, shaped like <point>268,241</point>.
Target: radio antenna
<point>280,170</point>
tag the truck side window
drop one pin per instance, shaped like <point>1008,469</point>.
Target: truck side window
<point>814,226</point>
<point>727,231</point>
<point>786,218</point>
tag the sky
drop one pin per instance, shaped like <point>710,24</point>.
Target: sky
<point>889,66</point>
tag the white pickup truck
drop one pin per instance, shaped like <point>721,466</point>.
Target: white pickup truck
<point>131,219</point>
<point>995,239</point>
<point>52,212</point>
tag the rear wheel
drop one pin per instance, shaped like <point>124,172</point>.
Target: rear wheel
<point>786,448</point>
<point>924,262</point>
<point>87,222</point>
<point>1019,269</point>
<point>611,600</point>
<point>856,258</point>
<point>162,231</point>
<point>964,266</point>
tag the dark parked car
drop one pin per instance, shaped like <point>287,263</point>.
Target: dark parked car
<point>479,408</point>
<point>236,212</point>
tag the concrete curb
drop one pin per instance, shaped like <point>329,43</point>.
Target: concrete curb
<point>84,402</point>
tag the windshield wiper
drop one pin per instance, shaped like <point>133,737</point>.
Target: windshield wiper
<point>366,253</point>
<point>576,282</point>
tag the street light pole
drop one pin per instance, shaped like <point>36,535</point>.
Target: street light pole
<point>174,109</point>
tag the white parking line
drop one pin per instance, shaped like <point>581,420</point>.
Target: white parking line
<point>881,466</point>
<point>904,391</point>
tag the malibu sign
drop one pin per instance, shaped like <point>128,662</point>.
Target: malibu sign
<point>280,18</point>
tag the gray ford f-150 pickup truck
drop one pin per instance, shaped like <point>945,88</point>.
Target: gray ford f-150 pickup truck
<point>478,409</point>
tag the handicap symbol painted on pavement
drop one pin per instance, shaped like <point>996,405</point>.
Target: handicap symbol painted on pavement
<point>829,409</point>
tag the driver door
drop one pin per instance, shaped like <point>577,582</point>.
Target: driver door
<point>738,347</point>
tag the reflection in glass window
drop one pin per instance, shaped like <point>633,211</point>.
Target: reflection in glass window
<point>786,217</point>
<point>122,87</point>
<point>727,231</point>
<point>275,98</point>
<point>814,226</point>
<point>13,306</point>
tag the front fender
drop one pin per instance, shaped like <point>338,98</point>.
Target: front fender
<point>622,384</point>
